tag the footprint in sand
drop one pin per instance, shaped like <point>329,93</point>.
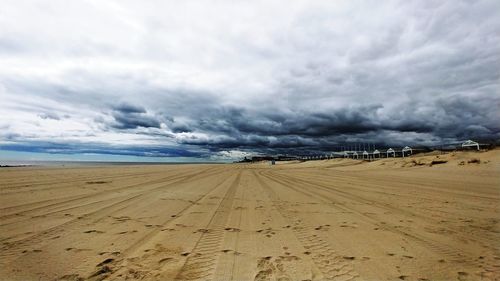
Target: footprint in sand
<point>153,225</point>
<point>289,258</point>
<point>202,230</point>
<point>76,250</point>
<point>101,273</point>
<point>232,229</point>
<point>269,270</point>
<point>97,182</point>
<point>268,232</point>
<point>93,231</point>
<point>106,261</point>
<point>122,218</point>
<point>462,275</point>
<point>323,227</point>
<point>165,260</point>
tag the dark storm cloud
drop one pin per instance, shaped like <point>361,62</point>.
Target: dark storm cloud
<point>181,129</point>
<point>127,116</point>
<point>453,118</point>
<point>125,108</point>
<point>241,121</point>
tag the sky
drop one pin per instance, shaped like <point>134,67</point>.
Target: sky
<point>220,80</point>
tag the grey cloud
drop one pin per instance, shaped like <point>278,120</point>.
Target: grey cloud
<point>129,108</point>
<point>453,118</point>
<point>181,129</point>
<point>49,115</point>
<point>127,116</point>
<point>132,121</point>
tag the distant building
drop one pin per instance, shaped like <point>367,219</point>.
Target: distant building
<point>262,158</point>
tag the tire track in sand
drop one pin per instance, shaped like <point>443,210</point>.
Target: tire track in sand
<point>332,265</point>
<point>66,200</point>
<point>202,261</point>
<point>116,267</point>
<point>8,250</point>
<point>455,255</point>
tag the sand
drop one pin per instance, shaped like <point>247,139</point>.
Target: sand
<point>432,217</point>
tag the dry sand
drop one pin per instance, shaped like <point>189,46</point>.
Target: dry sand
<point>393,219</point>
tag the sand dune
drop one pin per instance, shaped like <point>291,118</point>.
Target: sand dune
<point>431,217</point>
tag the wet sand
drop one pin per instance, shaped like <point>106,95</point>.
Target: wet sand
<point>433,217</point>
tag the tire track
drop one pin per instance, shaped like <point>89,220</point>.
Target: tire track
<point>202,261</point>
<point>428,184</point>
<point>23,245</point>
<point>331,265</point>
<point>116,266</point>
<point>7,251</point>
<point>59,182</point>
<point>64,201</point>
<point>226,266</point>
<point>453,254</point>
<point>153,232</point>
<point>387,207</point>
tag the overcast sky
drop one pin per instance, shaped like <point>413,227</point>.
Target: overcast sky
<point>211,80</point>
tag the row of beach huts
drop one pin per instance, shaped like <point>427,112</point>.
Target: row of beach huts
<point>369,153</point>
<point>381,153</point>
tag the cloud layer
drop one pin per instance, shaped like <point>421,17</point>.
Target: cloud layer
<point>227,78</point>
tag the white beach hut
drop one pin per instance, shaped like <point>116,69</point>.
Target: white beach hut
<point>407,151</point>
<point>366,155</point>
<point>389,151</point>
<point>470,143</point>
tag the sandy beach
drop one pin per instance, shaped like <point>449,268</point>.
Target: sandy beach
<point>428,217</point>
